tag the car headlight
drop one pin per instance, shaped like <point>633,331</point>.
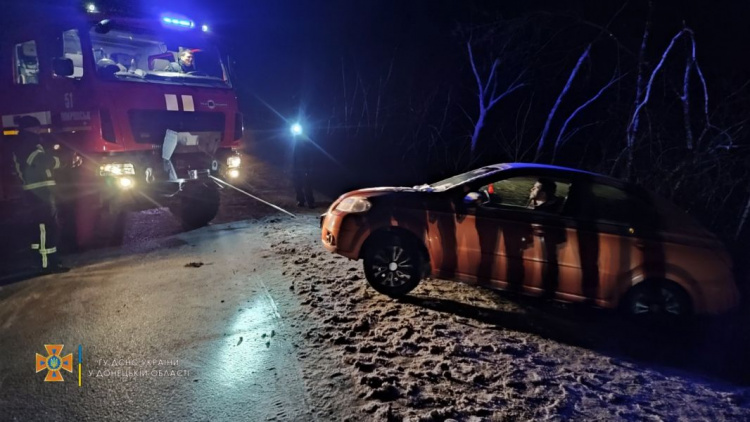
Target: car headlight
<point>354,204</point>
<point>234,161</point>
<point>117,169</point>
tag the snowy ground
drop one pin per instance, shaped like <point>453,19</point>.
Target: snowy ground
<point>452,351</point>
<point>334,349</point>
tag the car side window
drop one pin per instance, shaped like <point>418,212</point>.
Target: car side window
<point>527,192</point>
<point>614,205</point>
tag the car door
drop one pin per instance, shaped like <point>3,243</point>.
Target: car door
<point>469,243</point>
<point>614,232</point>
<point>546,236</point>
<point>516,247</point>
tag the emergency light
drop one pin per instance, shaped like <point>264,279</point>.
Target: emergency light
<point>179,22</point>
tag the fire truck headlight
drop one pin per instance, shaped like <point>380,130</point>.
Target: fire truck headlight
<point>125,183</point>
<point>117,169</point>
<point>233,173</point>
<point>234,161</point>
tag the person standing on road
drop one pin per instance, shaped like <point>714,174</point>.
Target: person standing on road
<point>36,166</point>
<point>302,168</point>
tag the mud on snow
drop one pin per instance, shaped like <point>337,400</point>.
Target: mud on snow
<point>453,351</point>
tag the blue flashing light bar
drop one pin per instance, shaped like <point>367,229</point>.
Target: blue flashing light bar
<point>178,22</point>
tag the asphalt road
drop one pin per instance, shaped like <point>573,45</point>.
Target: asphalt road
<point>203,307</point>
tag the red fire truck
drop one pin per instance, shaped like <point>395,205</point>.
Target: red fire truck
<point>105,88</point>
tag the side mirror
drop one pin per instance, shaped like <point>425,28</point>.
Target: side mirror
<point>472,199</point>
<point>477,198</point>
<point>103,27</point>
<point>62,66</point>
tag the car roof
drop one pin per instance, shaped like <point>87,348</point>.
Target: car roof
<point>678,221</point>
<point>542,166</point>
<point>550,168</point>
<point>483,173</point>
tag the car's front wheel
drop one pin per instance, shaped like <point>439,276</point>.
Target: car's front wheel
<point>393,265</point>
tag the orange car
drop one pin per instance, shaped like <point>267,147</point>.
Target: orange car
<point>541,230</point>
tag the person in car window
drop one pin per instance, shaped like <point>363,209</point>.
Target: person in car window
<point>184,63</point>
<point>542,196</point>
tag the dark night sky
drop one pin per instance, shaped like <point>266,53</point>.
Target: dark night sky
<point>291,51</point>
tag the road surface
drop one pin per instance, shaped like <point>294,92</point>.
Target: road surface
<point>197,326</point>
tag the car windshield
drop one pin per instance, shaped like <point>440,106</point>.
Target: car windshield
<point>466,177</point>
<point>131,54</point>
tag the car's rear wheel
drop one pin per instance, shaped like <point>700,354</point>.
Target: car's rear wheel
<point>658,301</point>
<point>393,265</point>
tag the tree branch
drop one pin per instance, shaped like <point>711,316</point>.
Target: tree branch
<point>564,91</point>
<point>476,73</point>
<point>559,141</point>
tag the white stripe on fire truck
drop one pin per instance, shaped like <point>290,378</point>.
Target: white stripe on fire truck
<point>171,100</point>
<point>45,118</point>
<point>187,103</point>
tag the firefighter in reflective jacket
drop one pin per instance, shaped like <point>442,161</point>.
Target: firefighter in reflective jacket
<point>35,166</point>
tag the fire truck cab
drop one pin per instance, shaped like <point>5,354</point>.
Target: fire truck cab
<point>150,131</point>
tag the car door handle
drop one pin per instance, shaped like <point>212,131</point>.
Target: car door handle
<point>526,243</point>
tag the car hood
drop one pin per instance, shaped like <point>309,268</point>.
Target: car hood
<point>381,191</point>
<point>385,190</point>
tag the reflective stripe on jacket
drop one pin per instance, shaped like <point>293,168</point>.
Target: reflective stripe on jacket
<point>34,165</point>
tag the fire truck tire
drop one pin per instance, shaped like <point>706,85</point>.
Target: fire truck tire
<point>199,205</point>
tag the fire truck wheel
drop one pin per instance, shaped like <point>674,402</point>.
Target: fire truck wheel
<point>199,205</point>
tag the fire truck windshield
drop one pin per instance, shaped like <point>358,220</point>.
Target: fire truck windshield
<point>131,54</point>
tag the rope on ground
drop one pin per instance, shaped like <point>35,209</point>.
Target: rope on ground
<point>252,196</point>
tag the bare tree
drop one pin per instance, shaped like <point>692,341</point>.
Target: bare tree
<point>632,131</point>
<point>488,96</point>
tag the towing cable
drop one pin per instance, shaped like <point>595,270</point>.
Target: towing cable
<point>251,196</point>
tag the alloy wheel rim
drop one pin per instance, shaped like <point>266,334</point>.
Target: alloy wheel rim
<point>660,301</point>
<point>392,266</point>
